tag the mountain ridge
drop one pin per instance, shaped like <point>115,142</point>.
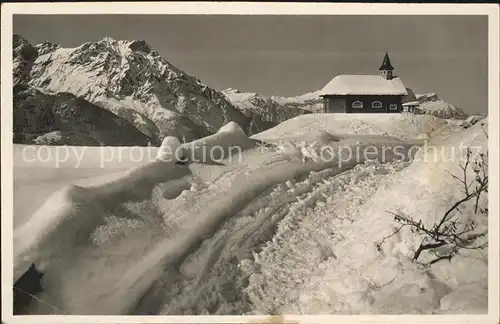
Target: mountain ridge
<point>133,81</point>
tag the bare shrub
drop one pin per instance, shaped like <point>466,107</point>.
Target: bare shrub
<point>453,231</point>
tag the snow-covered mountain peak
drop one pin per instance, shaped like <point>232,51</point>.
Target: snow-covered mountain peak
<point>108,67</point>
<point>132,80</point>
<point>431,96</point>
<point>231,90</point>
<point>141,45</point>
<point>431,103</point>
<point>46,47</point>
<point>306,97</point>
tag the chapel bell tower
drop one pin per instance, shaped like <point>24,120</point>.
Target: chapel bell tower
<point>386,68</point>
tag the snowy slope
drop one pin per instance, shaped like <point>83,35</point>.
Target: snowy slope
<point>136,231</point>
<point>132,80</point>
<point>432,104</point>
<point>402,126</point>
<point>323,257</point>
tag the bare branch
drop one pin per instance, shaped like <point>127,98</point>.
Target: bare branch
<point>446,257</point>
<point>379,244</point>
<point>451,231</point>
<point>376,286</point>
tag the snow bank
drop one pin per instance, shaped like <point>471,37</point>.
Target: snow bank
<point>171,149</point>
<point>40,171</point>
<point>402,126</point>
<point>69,203</point>
<point>229,141</point>
<point>431,192</point>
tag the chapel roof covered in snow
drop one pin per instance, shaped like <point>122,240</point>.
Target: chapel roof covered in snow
<point>364,85</point>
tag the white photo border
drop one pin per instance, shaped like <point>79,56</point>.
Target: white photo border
<point>246,8</point>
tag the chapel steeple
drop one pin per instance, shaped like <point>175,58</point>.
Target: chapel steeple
<point>386,68</point>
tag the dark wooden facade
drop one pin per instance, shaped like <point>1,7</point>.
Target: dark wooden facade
<point>370,104</point>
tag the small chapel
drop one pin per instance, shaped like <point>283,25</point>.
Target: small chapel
<point>379,93</point>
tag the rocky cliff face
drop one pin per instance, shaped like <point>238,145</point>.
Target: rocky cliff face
<point>64,119</point>
<point>24,54</point>
<point>131,80</point>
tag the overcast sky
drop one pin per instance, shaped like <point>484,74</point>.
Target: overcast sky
<point>292,55</point>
